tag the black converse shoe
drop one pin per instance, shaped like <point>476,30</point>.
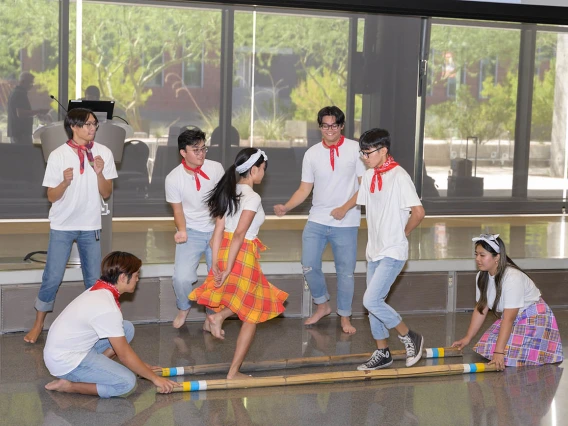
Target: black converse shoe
<point>381,358</point>
<point>413,343</point>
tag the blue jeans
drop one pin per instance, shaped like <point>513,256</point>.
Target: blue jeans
<point>343,242</point>
<point>187,259</point>
<point>58,250</point>
<point>380,277</point>
<point>111,378</point>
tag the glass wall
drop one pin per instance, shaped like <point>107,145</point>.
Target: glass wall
<point>28,67</point>
<point>549,138</point>
<point>259,76</point>
<point>471,105</point>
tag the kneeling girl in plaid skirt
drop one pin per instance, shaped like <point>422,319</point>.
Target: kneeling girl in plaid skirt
<point>236,284</point>
<point>526,332</point>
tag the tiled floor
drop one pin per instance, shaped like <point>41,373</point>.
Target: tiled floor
<point>522,396</point>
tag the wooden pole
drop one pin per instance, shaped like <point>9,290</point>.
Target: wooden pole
<point>339,376</point>
<point>283,364</point>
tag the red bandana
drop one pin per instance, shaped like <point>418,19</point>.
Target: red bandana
<point>196,172</point>
<point>333,149</point>
<point>379,171</point>
<point>80,148</point>
<point>103,285</point>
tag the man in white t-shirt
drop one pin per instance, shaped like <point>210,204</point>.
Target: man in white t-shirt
<point>90,331</point>
<point>333,170</point>
<point>187,188</point>
<point>393,210</point>
<point>78,174</point>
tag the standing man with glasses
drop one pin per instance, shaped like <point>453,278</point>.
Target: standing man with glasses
<point>187,187</point>
<point>393,210</point>
<point>78,174</point>
<point>333,170</point>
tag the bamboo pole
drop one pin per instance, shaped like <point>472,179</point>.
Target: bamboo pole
<point>283,364</point>
<point>338,376</point>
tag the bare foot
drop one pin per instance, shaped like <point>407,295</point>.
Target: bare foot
<point>239,376</point>
<point>33,334</point>
<point>215,324</point>
<point>322,311</point>
<point>207,325</point>
<point>346,326</point>
<point>59,385</point>
<point>180,318</point>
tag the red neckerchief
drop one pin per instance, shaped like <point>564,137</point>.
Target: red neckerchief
<point>385,167</point>
<point>196,172</point>
<point>80,148</point>
<point>103,285</point>
<point>333,149</point>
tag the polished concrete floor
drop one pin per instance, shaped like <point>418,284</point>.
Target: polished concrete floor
<point>518,396</point>
<point>437,238</point>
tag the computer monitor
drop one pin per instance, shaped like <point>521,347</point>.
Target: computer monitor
<point>95,106</point>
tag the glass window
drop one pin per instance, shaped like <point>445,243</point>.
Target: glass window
<point>549,138</point>
<point>468,139</point>
<point>28,76</point>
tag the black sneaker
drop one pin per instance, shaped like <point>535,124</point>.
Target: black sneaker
<point>381,358</point>
<point>413,343</point>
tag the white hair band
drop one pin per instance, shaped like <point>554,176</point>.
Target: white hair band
<point>490,239</point>
<point>251,161</point>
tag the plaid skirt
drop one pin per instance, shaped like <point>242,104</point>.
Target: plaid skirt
<point>534,340</point>
<point>246,291</point>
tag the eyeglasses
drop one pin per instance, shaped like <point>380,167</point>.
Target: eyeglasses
<point>367,154</point>
<point>91,124</point>
<point>333,126</point>
<point>200,150</point>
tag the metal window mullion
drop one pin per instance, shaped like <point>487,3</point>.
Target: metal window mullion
<point>524,110</point>
<point>63,75</point>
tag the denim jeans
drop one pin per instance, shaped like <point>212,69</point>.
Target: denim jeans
<point>111,378</point>
<point>58,251</point>
<point>343,242</point>
<point>187,259</point>
<point>380,277</point>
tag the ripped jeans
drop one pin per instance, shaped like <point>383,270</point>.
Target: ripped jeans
<point>343,242</point>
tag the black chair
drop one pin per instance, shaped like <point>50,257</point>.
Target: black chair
<point>133,180</point>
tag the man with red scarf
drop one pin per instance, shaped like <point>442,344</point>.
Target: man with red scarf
<point>90,331</point>
<point>187,187</point>
<point>393,210</point>
<point>333,170</point>
<point>78,174</point>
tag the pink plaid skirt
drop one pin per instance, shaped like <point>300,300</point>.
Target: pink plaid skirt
<point>534,340</point>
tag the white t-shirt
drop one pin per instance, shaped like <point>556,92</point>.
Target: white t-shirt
<point>517,291</point>
<point>250,200</point>
<point>79,209</point>
<point>92,316</point>
<point>387,212</point>
<point>333,188</point>
<point>181,188</point>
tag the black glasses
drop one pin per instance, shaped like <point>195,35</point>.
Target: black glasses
<point>198,151</point>
<point>91,124</point>
<point>367,154</point>
<point>333,126</point>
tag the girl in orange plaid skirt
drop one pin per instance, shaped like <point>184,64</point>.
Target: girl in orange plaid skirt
<point>236,284</point>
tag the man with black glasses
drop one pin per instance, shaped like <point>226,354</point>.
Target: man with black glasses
<point>333,169</point>
<point>78,174</point>
<point>187,187</point>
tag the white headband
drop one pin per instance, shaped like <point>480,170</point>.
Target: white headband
<point>490,239</point>
<point>250,162</point>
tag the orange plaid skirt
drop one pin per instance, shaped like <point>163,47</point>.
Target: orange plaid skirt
<point>246,291</point>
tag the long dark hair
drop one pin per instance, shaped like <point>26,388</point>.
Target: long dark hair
<point>483,280</point>
<point>223,198</point>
